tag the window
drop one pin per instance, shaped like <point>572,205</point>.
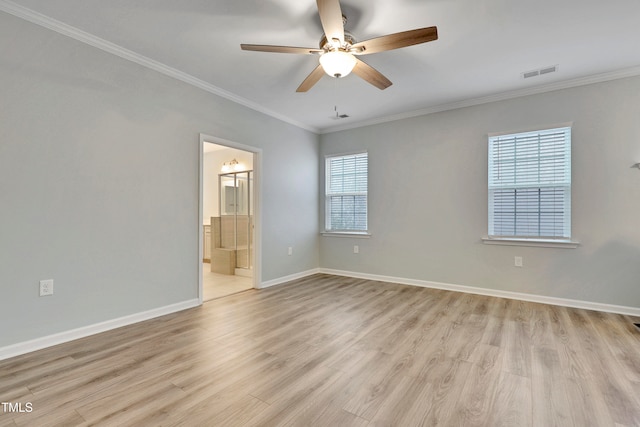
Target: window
<point>530,185</point>
<point>346,193</point>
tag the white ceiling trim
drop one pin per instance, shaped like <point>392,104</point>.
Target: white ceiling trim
<point>92,40</point>
<point>107,46</point>
<point>581,81</point>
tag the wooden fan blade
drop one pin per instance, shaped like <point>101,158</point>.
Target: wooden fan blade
<point>331,18</point>
<point>371,75</point>
<point>280,49</point>
<point>311,79</point>
<point>395,41</point>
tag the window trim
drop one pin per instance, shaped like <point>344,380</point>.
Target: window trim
<point>355,234</point>
<point>532,129</point>
<point>534,241</point>
<point>540,243</point>
<point>327,210</point>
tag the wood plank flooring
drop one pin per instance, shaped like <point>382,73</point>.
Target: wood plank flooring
<point>334,351</point>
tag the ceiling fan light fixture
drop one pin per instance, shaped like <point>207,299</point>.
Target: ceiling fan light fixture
<point>337,48</point>
<point>337,63</point>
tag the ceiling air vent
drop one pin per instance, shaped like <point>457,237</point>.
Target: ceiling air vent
<point>540,72</point>
<point>548,70</point>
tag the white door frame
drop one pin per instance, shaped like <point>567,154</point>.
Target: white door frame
<point>257,206</point>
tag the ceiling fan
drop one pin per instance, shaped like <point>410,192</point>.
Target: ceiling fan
<point>338,48</point>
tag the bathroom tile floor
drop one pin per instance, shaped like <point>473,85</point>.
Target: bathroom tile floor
<point>219,285</point>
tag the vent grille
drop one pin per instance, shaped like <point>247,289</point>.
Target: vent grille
<point>548,70</point>
<point>540,72</point>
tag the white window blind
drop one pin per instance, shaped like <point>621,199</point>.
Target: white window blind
<point>530,184</point>
<point>346,193</point>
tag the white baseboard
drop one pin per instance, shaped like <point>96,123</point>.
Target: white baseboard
<point>55,339</point>
<point>588,305</point>
<point>74,334</point>
<point>285,279</point>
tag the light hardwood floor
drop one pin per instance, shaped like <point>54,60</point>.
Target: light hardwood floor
<point>215,285</point>
<point>332,351</point>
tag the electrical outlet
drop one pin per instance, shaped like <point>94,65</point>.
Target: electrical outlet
<point>518,261</point>
<point>46,287</point>
<point>290,251</point>
<point>356,249</point>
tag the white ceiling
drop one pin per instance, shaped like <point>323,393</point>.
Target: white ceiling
<point>483,47</point>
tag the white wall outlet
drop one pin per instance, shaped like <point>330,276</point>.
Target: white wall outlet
<point>290,251</point>
<point>356,249</point>
<point>46,287</point>
<point>517,261</point>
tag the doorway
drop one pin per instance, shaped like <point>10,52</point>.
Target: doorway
<point>229,220</point>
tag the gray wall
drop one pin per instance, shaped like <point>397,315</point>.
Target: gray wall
<point>99,189</point>
<point>99,184</point>
<point>428,198</point>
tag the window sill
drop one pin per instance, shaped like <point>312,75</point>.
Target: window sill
<point>542,243</point>
<point>356,234</point>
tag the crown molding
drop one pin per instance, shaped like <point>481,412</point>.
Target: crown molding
<point>566,84</point>
<point>107,46</point>
<point>97,42</point>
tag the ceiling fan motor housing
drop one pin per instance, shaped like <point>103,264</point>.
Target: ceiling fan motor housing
<point>349,40</point>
